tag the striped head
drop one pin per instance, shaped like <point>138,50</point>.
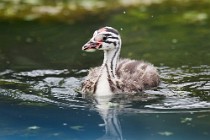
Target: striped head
<point>106,38</point>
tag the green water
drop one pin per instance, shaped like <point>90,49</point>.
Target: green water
<point>42,67</point>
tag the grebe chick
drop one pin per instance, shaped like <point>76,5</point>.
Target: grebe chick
<point>116,75</point>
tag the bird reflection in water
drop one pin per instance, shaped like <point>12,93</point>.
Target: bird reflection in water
<point>109,113</point>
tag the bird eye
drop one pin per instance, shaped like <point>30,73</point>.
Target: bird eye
<point>104,38</point>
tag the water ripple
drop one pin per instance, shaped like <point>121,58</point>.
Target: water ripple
<point>183,88</point>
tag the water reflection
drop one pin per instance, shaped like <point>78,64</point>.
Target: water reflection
<point>109,114</point>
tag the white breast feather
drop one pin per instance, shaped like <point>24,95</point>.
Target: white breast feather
<point>103,88</point>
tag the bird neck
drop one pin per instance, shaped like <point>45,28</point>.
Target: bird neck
<point>110,62</point>
<point>107,74</point>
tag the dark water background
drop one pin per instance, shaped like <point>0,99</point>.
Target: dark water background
<point>42,66</point>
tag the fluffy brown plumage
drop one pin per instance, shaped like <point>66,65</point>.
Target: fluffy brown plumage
<point>132,76</point>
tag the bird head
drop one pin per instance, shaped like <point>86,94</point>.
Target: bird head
<point>106,38</point>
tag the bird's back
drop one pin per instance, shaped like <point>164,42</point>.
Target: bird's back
<point>136,75</point>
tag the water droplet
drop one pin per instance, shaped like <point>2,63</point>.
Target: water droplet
<point>174,40</point>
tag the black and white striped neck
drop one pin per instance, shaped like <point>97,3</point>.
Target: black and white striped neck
<point>107,74</point>
<point>110,61</point>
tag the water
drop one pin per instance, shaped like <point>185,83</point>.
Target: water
<point>45,104</point>
<point>42,67</point>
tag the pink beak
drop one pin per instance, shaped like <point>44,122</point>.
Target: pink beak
<point>90,46</point>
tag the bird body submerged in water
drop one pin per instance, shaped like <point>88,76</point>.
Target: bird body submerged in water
<point>116,75</point>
